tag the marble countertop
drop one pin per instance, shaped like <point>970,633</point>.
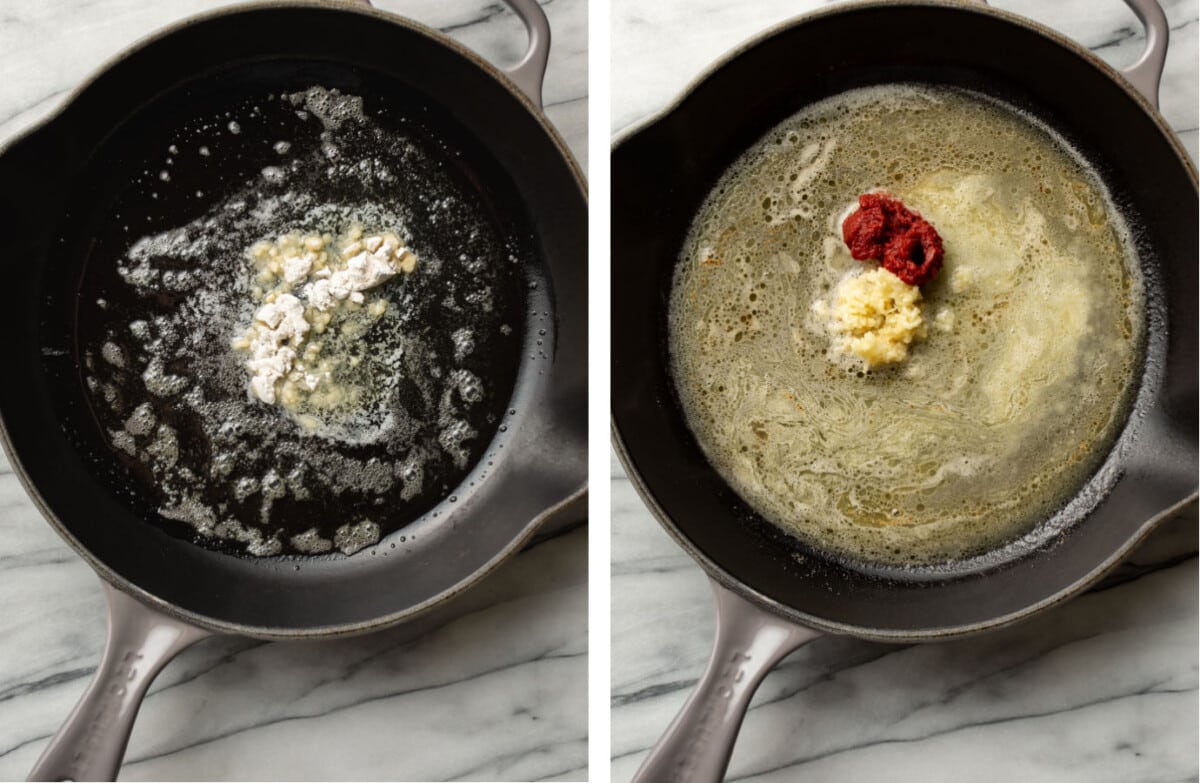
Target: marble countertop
<point>492,688</point>
<point>1103,688</point>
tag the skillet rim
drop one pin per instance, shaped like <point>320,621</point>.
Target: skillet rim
<point>565,504</point>
<point>633,129</point>
<point>714,570</point>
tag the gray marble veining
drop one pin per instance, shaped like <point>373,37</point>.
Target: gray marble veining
<point>493,688</point>
<point>1103,688</point>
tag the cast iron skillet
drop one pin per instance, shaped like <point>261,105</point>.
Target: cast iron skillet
<point>165,592</point>
<point>773,594</point>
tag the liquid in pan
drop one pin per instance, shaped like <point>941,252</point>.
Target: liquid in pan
<point>393,385</point>
<point>1010,392</point>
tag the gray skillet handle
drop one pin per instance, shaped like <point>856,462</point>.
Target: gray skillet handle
<point>1146,74</point>
<point>699,742</point>
<point>530,73</point>
<point>91,744</point>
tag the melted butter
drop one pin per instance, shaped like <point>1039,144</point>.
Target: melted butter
<point>996,417</point>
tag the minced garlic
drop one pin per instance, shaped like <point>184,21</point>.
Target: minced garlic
<point>302,282</point>
<point>874,316</point>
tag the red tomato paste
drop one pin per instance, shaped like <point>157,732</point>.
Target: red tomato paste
<point>905,243</point>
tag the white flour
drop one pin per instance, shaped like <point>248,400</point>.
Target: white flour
<point>341,272</point>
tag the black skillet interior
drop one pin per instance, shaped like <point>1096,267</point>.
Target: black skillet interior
<point>662,172</point>
<point>407,155</point>
<point>58,188</point>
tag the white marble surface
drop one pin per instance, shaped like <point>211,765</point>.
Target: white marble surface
<point>493,689</point>
<point>1103,688</point>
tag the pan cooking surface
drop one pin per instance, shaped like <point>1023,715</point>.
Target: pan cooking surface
<point>166,288</point>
